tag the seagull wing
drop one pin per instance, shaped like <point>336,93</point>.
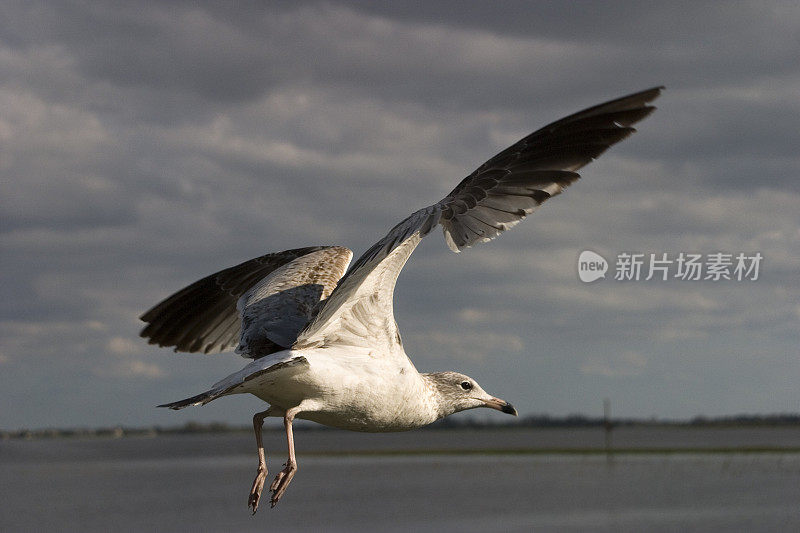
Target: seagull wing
<point>274,293</point>
<point>494,198</point>
<point>279,306</point>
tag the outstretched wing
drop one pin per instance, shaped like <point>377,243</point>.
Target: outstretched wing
<point>203,317</point>
<point>494,198</point>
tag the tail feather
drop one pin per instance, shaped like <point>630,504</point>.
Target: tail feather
<point>201,399</point>
<point>234,383</point>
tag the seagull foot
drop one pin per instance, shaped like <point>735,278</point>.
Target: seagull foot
<point>258,486</point>
<point>282,480</point>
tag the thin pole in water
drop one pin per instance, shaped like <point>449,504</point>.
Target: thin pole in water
<point>607,426</point>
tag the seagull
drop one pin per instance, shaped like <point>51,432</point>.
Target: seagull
<point>323,339</point>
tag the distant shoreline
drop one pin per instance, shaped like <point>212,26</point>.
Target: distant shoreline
<point>534,421</point>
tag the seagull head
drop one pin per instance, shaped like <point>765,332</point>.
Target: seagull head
<point>456,392</point>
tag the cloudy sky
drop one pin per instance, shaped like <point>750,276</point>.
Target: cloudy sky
<point>145,145</point>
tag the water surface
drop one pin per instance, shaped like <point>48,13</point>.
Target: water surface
<point>200,483</point>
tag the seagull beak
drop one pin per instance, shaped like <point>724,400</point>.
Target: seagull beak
<point>500,405</point>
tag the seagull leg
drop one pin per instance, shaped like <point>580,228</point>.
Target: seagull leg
<point>284,477</point>
<point>261,475</point>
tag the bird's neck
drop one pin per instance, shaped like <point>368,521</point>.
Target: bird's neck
<point>436,395</point>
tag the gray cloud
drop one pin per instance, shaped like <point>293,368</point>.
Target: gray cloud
<point>143,146</point>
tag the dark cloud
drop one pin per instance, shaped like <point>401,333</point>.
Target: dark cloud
<point>145,145</point>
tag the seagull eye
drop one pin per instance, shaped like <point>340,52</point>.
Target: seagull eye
<point>466,385</point>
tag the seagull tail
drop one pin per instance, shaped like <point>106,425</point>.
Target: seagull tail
<point>200,399</point>
<point>233,384</point>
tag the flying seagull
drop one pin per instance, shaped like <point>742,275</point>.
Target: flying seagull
<point>323,339</point>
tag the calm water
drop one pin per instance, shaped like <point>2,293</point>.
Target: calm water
<point>200,483</point>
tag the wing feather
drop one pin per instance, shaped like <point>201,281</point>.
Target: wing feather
<point>279,306</point>
<point>203,317</point>
<point>495,197</point>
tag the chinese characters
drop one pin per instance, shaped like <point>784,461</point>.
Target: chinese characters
<point>716,266</point>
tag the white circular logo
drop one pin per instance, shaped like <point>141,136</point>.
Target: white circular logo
<point>591,266</point>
